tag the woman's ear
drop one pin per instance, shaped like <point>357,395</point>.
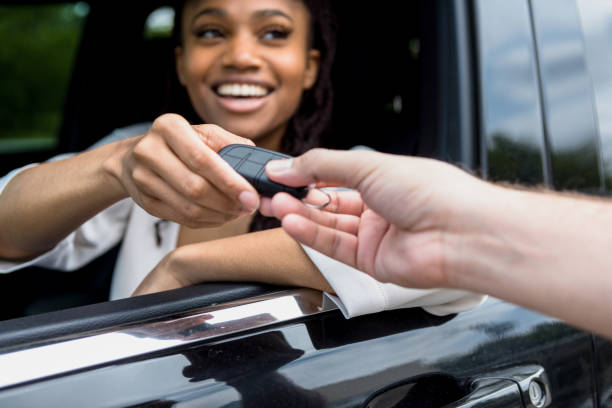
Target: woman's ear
<point>312,68</point>
<point>178,59</point>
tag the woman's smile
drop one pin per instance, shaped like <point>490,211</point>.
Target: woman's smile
<point>242,96</point>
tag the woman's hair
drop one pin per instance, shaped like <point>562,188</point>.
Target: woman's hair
<point>314,114</point>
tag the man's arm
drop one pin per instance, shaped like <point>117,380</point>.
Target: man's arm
<point>546,251</point>
<point>425,223</point>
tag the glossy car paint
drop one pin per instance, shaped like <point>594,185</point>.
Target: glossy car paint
<point>336,362</point>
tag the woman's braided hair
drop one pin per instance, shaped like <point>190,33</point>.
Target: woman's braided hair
<point>313,117</point>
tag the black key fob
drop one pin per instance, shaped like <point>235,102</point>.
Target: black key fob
<point>250,162</point>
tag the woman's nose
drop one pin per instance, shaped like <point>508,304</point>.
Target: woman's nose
<point>241,53</point>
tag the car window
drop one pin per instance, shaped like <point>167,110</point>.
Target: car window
<point>377,81</point>
<point>511,123</point>
<point>567,97</point>
<point>159,24</point>
<point>596,21</point>
<point>39,45</point>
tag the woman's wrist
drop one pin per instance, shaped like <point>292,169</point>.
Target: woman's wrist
<point>111,168</point>
<point>170,273</point>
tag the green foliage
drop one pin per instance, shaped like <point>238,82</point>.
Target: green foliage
<point>515,162</point>
<point>577,169</point>
<point>39,44</point>
<point>572,169</point>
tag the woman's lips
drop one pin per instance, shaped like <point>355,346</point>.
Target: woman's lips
<point>242,105</point>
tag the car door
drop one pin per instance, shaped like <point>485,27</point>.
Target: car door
<point>249,345</point>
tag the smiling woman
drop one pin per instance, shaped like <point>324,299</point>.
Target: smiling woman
<point>230,48</point>
<point>255,72</point>
<point>284,50</point>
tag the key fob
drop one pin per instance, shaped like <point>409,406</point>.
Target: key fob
<point>250,162</point>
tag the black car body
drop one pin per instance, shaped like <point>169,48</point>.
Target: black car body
<point>512,90</point>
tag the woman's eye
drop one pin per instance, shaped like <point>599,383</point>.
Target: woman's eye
<point>209,33</point>
<point>275,34</point>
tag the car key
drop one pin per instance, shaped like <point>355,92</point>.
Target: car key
<point>250,162</point>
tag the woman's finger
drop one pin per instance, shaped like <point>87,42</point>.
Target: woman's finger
<point>192,186</point>
<point>217,138</point>
<point>190,145</point>
<point>160,199</point>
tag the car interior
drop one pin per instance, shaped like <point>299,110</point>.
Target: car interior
<point>392,92</point>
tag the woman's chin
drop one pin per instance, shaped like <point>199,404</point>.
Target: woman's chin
<point>247,132</point>
<point>263,137</point>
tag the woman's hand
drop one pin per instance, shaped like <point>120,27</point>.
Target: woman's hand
<point>174,172</point>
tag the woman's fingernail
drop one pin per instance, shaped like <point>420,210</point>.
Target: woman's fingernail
<point>249,201</point>
<point>279,166</point>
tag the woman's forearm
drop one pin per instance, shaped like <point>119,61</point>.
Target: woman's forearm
<point>545,251</point>
<point>43,204</point>
<point>266,256</point>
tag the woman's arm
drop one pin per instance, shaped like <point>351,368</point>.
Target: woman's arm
<point>265,256</point>
<point>43,204</point>
<point>172,171</point>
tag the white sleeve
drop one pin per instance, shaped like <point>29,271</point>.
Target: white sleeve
<point>90,240</point>
<point>358,293</point>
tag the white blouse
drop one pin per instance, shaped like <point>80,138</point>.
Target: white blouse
<point>146,241</point>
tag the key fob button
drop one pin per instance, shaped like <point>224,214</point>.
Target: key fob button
<point>250,163</point>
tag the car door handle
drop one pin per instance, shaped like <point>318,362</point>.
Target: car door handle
<point>522,386</point>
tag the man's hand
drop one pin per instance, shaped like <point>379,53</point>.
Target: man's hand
<point>396,228</point>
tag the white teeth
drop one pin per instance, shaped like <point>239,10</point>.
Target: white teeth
<point>241,90</point>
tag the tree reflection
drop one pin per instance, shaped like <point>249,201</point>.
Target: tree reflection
<point>516,161</point>
<point>251,366</point>
<point>32,35</point>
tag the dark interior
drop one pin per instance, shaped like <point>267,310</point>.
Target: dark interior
<point>120,78</point>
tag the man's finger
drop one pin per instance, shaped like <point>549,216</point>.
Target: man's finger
<point>283,204</point>
<point>373,229</point>
<point>345,202</point>
<point>336,244</point>
<point>347,168</point>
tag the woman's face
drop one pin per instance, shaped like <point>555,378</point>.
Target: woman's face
<point>245,64</point>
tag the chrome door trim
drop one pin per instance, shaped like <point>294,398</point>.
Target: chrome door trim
<point>93,349</point>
